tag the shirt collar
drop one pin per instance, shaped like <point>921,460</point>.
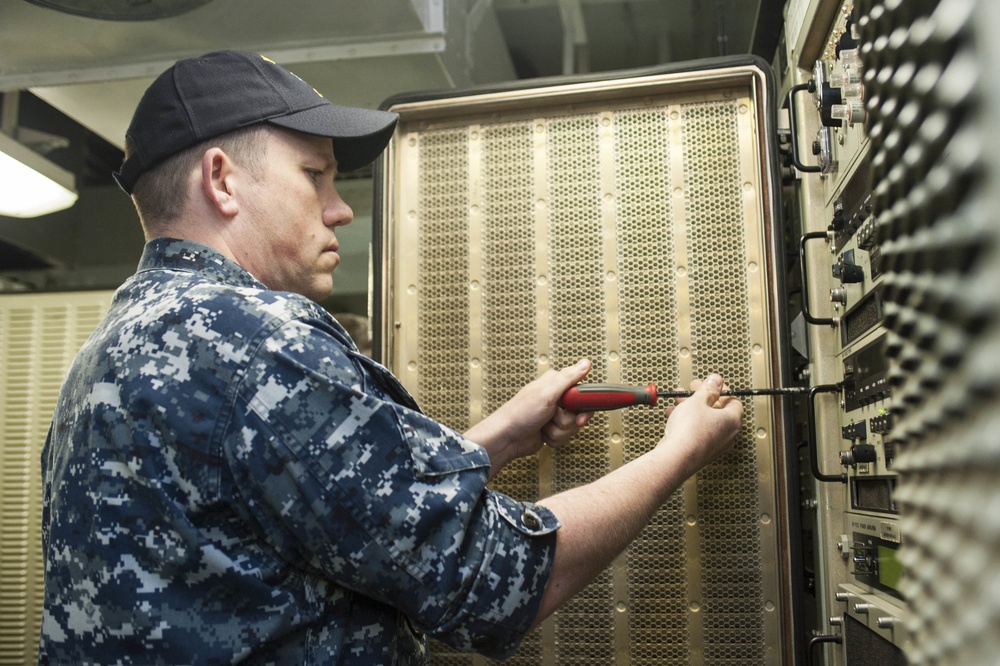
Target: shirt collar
<point>184,255</point>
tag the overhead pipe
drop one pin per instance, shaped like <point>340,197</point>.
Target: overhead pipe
<point>576,55</point>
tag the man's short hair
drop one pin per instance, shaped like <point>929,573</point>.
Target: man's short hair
<point>160,194</point>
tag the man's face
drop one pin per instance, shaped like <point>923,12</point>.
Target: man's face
<point>292,212</point>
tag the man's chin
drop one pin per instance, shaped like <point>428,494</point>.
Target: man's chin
<point>320,292</point>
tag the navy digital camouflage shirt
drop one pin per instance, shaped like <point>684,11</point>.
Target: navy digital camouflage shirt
<point>227,479</point>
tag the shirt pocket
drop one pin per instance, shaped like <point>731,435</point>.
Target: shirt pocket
<point>437,450</point>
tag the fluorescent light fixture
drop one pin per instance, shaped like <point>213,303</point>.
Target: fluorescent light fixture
<point>31,185</point>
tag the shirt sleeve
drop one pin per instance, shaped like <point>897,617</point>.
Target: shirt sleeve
<point>381,499</point>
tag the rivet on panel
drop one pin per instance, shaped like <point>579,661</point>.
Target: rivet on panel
<point>616,437</point>
<point>681,271</point>
<point>621,607</point>
<point>748,187</point>
<point>765,519</point>
<point>412,214</point>
<point>613,356</point>
<point>761,433</point>
<point>474,362</point>
<point>412,141</point>
<point>540,127</point>
<point>474,209</point>
<point>474,135</point>
<point>674,115</point>
<point>694,606</point>
<point>685,352</point>
<point>691,520</point>
<point>411,366</point>
<point>411,290</point>
<point>474,285</point>
<point>757,349</point>
<point>542,280</point>
<point>543,360</point>
<point>678,191</point>
<point>540,203</point>
<point>769,606</point>
<point>744,108</point>
<point>611,277</point>
<point>752,267</point>
<point>605,121</point>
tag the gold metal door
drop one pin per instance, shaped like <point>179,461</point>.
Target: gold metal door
<point>631,221</point>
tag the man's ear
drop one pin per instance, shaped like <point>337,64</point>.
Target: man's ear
<point>218,181</point>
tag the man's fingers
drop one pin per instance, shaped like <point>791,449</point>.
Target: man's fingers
<point>563,427</point>
<point>563,419</point>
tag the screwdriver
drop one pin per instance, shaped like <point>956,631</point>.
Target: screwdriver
<point>603,397</point>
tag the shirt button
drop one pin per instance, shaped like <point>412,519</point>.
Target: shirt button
<point>530,520</point>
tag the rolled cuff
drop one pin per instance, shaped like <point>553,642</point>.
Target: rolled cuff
<point>500,609</point>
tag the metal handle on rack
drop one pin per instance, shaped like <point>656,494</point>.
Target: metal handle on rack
<point>813,449</point>
<point>819,321</point>
<point>811,87</point>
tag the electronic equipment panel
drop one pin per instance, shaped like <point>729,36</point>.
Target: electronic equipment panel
<point>898,237</point>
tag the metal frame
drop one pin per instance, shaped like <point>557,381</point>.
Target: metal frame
<point>395,283</point>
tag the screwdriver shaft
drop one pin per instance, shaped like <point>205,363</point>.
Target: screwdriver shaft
<point>792,390</point>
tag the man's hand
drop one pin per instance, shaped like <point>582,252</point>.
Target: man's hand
<point>704,426</point>
<point>532,418</point>
<point>601,518</point>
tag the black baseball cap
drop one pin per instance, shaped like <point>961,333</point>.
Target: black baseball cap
<point>200,98</point>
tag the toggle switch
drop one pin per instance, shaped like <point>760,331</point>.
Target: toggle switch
<point>846,270</point>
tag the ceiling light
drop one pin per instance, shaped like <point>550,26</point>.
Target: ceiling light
<point>31,185</point>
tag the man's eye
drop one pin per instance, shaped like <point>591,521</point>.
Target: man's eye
<point>315,174</point>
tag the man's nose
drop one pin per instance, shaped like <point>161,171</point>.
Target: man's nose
<point>337,213</point>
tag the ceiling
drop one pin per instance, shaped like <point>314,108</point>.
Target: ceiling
<point>79,78</point>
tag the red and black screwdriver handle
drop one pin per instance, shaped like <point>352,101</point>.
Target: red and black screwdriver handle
<point>603,397</point>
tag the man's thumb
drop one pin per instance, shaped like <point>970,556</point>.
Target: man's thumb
<point>713,387</point>
<point>580,370</point>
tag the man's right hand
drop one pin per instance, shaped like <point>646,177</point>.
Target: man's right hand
<point>704,426</point>
<point>601,518</point>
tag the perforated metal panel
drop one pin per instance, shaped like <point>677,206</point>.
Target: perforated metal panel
<point>39,336</point>
<point>628,221</point>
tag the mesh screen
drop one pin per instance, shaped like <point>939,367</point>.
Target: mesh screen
<point>39,336</point>
<point>933,114</point>
<point>443,287</point>
<point>620,234</point>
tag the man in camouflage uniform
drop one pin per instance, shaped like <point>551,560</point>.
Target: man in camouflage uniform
<point>228,479</point>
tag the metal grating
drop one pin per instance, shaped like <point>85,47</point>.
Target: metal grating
<point>632,232</point>
<point>933,121</point>
<point>445,253</point>
<point>39,336</point>
<point>720,338</point>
